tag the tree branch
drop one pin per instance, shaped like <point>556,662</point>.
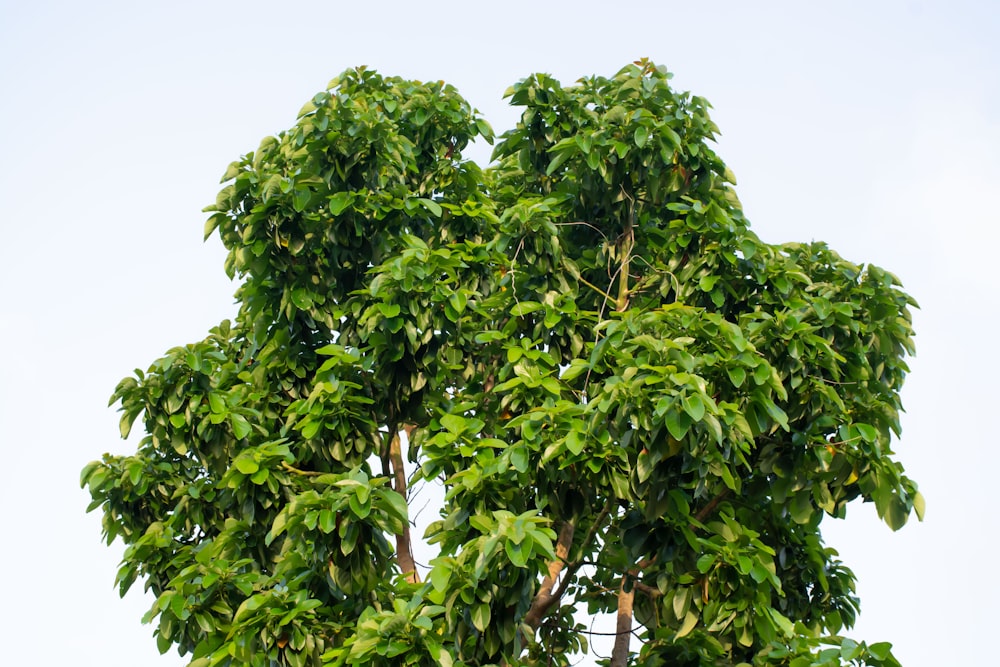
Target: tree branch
<point>623,626</point>
<point>596,289</point>
<point>648,590</point>
<point>626,244</point>
<point>710,506</point>
<point>404,546</point>
<point>544,599</point>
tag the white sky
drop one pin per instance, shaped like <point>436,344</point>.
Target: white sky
<point>874,126</point>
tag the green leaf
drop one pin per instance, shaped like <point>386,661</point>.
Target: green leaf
<point>485,337</point>
<point>919,505</point>
<point>431,206</point>
<point>519,459</point>
<point>440,577</point>
<point>880,650</point>
<point>481,616</point>
<point>850,649</point>
<point>246,465</point>
<point>241,427</point>
<point>557,161</point>
<point>339,202</point>
<point>217,403</point>
<point>786,627</point>
<point>575,441</point>
<point>310,428</point>
<point>301,199</point>
<point>694,406</point>
<point>389,310</point>
<point>125,424</point>
<point>454,423</point>
<point>678,423</point>
<point>641,136</point>
<point>302,298</point>
<point>682,596</point>
<point>690,620</point>
<point>801,507</point>
<point>525,307</point>
<point>705,562</point>
<point>776,413</point>
<point>576,368</point>
<point>895,513</point>
<point>458,301</point>
<point>485,130</point>
<point>396,504</point>
<point>867,432</point>
<point>213,223</point>
<point>737,375</point>
<point>516,553</point>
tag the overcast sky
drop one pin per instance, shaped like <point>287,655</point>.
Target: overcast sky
<point>873,126</point>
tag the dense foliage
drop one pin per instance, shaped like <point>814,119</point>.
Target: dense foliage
<point>635,406</point>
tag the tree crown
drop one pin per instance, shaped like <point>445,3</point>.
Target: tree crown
<point>633,404</point>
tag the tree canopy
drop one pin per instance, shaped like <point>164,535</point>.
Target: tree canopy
<point>634,405</point>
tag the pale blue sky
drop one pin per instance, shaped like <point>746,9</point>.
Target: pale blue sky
<point>874,126</point>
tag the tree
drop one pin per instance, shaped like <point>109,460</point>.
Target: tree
<point>635,406</point>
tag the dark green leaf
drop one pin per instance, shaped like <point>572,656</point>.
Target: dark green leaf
<point>339,202</point>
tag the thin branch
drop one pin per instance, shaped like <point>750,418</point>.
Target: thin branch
<point>627,243</point>
<point>835,443</point>
<point>824,380</point>
<point>593,648</point>
<point>513,270</point>
<point>596,289</point>
<point>585,224</point>
<point>306,473</point>
<point>595,633</point>
<point>597,334</point>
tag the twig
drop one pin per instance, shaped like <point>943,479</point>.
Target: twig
<point>824,380</point>
<point>586,224</point>
<point>596,289</point>
<point>306,473</point>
